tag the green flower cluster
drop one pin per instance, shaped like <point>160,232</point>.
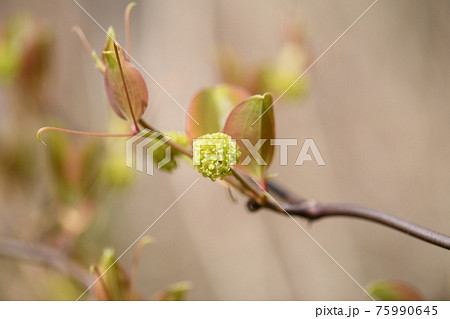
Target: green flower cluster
<point>214,154</point>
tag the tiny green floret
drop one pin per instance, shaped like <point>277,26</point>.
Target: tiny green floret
<point>214,155</point>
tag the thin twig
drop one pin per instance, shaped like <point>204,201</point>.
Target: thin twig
<point>283,193</point>
<point>175,146</point>
<point>313,210</point>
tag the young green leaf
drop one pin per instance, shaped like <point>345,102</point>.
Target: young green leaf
<point>253,135</point>
<point>210,107</point>
<point>109,45</point>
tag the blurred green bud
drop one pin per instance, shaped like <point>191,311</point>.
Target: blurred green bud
<point>159,152</point>
<point>114,284</point>
<point>277,75</point>
<point>214,155</point>
<point>115,87</point>
<point>394,291</point>
<point>25,52</point>
<point>10,42</point>
<point>179,138</point>
<point>114,173</point>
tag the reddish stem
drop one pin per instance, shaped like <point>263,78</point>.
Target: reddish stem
<point>127,26</point>
<point>49,128</point>
<point>83,39</point>
<point>135,128</point>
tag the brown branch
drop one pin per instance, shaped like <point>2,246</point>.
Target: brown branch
<point>45,256</point>
<point>313,210</point>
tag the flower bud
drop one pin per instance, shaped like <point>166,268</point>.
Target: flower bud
<point>115,88</point>
<point>159,152</point>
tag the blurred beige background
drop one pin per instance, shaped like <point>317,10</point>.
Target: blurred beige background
<point>378,110</point>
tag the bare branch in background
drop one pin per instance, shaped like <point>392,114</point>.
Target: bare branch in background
<point>45,256</point>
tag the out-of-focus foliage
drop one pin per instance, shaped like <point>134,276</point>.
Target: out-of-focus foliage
<point>277,75</point>
<point>176,292</point>
<point>394,291</point>
<point>113,171</point>
<point>274,74</point>
<point>74,166</point>
<point>25,54</point>
<point>116,284</point>
<point>15,155</point>
<point>25,46</point>
<point>84,173</point>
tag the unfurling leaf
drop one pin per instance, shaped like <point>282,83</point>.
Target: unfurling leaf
<point>116,92</point>
<point>210,108</point>
<point>109,45</point>
<point>251,123</point>
<point>394,291</point>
